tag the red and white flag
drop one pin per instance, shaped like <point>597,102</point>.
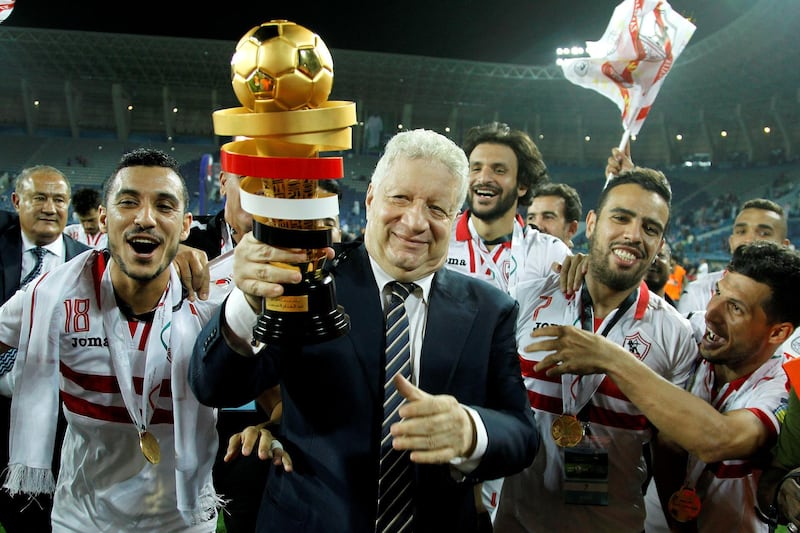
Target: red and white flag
<point>629,63</point>
<point>6,7</point>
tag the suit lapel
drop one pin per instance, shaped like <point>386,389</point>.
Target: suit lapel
<point>11,244</point>
<point>72,247</point>
<point>11,258</point>
<point>451,315</point>
<point>357,293</point>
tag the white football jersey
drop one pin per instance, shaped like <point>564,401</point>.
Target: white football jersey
<point>96,481</point>
<point>530,253</point>
<point>654,332</point>
<point>698,293</point>
<point>76,231</point>
<point>727,489</point>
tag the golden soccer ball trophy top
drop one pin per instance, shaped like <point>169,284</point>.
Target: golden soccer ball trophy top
<point>281,66</point>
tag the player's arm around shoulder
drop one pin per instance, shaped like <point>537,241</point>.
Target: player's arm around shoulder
<point>542,251</point>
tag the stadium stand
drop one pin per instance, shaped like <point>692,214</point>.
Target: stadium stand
<point>119,91</point>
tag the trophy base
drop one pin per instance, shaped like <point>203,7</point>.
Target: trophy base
<point>300,328</point>
<point>306,313</point>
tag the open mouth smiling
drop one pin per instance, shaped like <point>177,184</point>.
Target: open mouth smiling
<point>143,246</point>
<point>484,192</point>
<point>626,255</point>
<point>712,340</point>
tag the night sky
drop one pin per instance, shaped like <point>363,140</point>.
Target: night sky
<point>504,31</point>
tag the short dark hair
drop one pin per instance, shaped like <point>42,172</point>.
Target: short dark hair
<point>776,266</point>
<point>84,200</point>
<point>531,172</point>
<point>764,204</point>
<point>148,157</point>
<point>646,178</point>
<point>573,208</point>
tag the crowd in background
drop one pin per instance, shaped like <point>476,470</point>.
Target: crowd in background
<point>494,223</point>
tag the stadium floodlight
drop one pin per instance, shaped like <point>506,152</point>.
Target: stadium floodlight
<point>568,52</point>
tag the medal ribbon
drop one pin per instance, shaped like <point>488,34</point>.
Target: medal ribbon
<point>489,259</point>
<point>122,349</point>
<point>576,391</point>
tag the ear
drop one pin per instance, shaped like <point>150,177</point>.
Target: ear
<point>591,221</point>
<point>15,200</point>
<point>187,223</point>
<point>370,196</point>
<point>778,333</point>
<point>522,190</point>
<point>223,181</point>
<point>572,229</point>
<point>102,216</point>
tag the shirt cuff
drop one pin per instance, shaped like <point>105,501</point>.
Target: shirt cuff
<point>240,320</point>
<point>465,465</point>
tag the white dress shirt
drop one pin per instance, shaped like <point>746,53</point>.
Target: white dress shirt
<point>53,257</point>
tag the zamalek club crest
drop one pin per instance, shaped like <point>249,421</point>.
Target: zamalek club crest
<point>636,345</point>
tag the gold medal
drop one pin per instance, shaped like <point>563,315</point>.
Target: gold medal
<point>567,431</point>
<point>150,448</point>
<point>684,505</point>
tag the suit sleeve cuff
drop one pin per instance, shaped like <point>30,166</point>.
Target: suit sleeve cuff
<point>240,319</point>
<point>465,465</point>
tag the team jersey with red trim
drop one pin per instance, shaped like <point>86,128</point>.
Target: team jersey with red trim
<point>530,253</point>
<point>654,332</point>
<point>727,489</point>
<point>791,347</point>
<point>97,480</point>
<point>76,231</point>
<point>95,477</point>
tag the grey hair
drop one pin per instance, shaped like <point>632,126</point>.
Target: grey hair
<point>430,146</point>
<point>28,173</point>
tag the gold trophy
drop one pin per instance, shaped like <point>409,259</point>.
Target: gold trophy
<point>282,74</point>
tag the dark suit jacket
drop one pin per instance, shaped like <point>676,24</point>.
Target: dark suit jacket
<point>333,393</point>
<point>11,245</point>
<point>206,234</point>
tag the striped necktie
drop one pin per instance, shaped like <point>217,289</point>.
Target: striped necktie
<point>39,252</point>
<point>7,359</point>
<point>395,482</point>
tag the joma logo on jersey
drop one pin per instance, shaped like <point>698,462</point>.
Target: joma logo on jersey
<point>537,325</point>
<point>455,261</point>
<point>84,342</point>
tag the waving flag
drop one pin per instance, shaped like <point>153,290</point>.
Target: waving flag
<point>629,63</point>
<point>6,7</point>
